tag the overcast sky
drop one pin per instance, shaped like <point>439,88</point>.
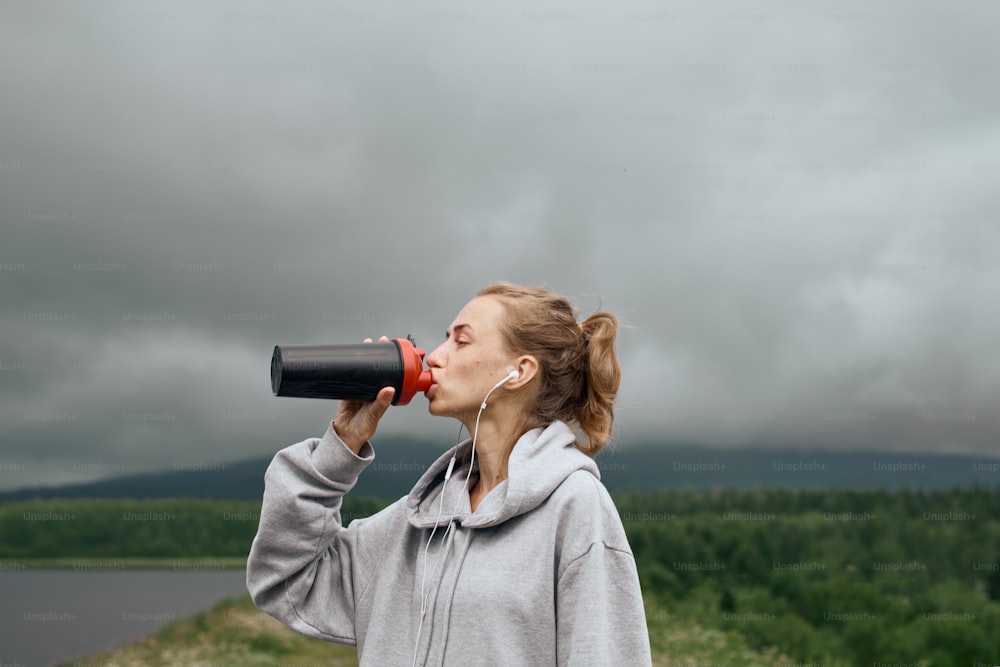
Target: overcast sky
<point>795,207</point>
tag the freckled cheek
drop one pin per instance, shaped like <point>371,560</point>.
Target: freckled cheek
<point>478,370</point>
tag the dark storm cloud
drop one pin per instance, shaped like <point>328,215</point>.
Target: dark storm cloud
<point>794,208</point>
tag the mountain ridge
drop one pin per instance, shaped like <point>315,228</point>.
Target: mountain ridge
<point>636,468</point>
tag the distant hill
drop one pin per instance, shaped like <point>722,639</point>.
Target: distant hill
<point>399,463</point>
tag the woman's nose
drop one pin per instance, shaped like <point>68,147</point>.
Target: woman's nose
<point>434,358</point>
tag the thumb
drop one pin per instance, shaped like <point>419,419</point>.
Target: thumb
<point>381,403</point>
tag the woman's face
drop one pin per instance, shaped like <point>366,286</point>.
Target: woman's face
<point>470,361</point>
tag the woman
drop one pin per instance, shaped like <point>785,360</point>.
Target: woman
<point>509,550</point>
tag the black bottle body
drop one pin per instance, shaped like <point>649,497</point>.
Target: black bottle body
<point>348,372</point>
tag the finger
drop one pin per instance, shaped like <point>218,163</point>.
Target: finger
<point>367,340</point>
<point>384,396</point>
<point>383,339</point>
<point>382,402</point>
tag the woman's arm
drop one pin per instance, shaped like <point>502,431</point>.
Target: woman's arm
<point>600,616</point>
<point>304,568</point>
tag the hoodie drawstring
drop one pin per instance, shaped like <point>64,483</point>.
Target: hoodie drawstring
<point>447,542</point>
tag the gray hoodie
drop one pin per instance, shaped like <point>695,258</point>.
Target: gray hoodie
<point>540,574</point>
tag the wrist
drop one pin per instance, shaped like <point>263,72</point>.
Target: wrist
<point>350,441</point>
<point>335,460</point>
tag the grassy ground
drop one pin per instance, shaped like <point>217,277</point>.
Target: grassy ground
<point>234,633</point>
<point>121,564</point>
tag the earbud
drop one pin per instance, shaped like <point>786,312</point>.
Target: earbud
<point>513,375</point>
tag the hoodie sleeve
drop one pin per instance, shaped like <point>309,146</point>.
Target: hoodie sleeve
<point>304,568</point>
<point>600,616</point>
<point>601,619</point>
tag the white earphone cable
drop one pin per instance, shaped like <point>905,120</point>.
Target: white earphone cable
<point>458,499</point>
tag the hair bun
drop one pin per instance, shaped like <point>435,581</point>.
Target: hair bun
<point>579,371</point>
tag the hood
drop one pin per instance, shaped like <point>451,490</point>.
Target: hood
<point>541,459</point>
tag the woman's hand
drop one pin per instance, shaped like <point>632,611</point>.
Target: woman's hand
<point>356,421</point>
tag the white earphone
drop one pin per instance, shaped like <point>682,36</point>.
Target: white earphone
<point>513,375</point>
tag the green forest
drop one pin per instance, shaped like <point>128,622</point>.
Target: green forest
<point>833,577</point>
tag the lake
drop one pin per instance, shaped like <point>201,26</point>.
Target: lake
<point>51,616</point>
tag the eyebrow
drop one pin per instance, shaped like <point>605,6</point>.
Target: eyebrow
<point>456,329</point>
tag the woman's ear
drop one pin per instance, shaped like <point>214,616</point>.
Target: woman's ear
<point>527,369</point>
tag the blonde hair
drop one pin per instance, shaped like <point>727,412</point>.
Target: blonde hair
<point>579,372</point>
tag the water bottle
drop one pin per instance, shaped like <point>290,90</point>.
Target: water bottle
<point>350,372</point>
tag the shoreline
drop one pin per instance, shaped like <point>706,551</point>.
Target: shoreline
<point>230,632</point>
<point>123,564</point>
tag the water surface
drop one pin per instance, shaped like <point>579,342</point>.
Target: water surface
<point>52,616</point>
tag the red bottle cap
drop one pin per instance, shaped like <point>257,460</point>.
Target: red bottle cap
<point>415,376</point>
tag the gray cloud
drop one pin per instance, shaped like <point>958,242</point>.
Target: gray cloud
<point>794,208</point>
